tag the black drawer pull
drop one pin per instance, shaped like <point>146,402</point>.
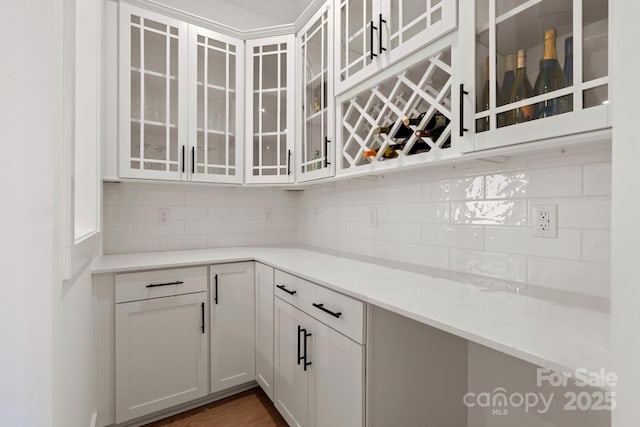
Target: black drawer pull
<point>299,356</point>
<point>215,298</point>
<point>283,288</point>
<point>321,307</point>
<point>155,285</point>
<point>304,358</point>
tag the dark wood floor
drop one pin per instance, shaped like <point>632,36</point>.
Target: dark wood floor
<point>249,408</point>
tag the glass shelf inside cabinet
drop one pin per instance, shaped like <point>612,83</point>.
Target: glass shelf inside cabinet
<point>532,62</point>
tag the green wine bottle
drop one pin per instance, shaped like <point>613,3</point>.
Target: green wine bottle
<point>483,124</point>
<point>521,90</point>
<point>550,78</point>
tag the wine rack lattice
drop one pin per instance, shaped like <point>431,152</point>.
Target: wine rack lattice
<point>424,87</point>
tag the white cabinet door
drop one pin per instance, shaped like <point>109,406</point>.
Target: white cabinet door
<point>317,150</point>
<point>216,97</point>
<point>161,354</point>
<point>264,327</point>
<point>563,46</point>
<point>291,379</point>
<point>336,383</point>
<point>356,42</point>
<point>270,114</point>
<point>232,325</point>
<point>153,89</point>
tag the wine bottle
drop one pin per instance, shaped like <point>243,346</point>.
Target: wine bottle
<point>409,121</point>
<point>568,67</point>
<point>521,90</point>
<point>402,132</point>
<point>509,78</point>
<point>389,152</point>
<point>483,123</point>
<point>550,78</point>
<point>437,121</point>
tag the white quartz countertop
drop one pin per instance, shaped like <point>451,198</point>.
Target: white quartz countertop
<point>550,335</point>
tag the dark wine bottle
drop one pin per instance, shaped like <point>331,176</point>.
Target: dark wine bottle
<point>437,121</point>
<point>413,121</point>
<point>508,79</point>
<point>521,90</point>
<point>402,132</point>
<point>568,67</point>
<point>550,78</point>
<point>483,123</point>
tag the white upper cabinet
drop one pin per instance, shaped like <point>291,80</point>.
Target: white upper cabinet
<point>270,111</point>
<point>180,101</point>
<point>215,106</point>
<point>372,34</point>
<point>561,46</point>
<point>315,47</point>
<point>153,89</point>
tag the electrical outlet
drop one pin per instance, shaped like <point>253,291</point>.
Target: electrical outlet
<point>373,217</point>
<point>163,216</point>
<point>268,214</point>
<point>545,221</point>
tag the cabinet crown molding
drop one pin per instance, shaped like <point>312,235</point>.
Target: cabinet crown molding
<point>227,30</point>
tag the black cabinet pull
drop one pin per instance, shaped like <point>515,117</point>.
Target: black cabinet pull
<point>183,153</point>
<point>283,288</point>
<point>155,285</point>
<point>288,162</point>
<point>372,55</point>
<point>462,94</point>
<point>202,313</point>
<point>321,307</point>
<point>299,358</point>
<point>306,362</point>
<point>215,297</point>
<point>381,21</point>
<point>193,160</point>
<point>326,152</point>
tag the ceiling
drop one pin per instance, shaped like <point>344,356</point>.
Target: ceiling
<point>243,15</point>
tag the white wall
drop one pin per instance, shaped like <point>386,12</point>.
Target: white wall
<point>30,83</point>
<point>199,217</point>
<point>476,219</point>
<point>626,231</point>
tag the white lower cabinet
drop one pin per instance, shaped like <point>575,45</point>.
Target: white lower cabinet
<point>162,344</point>
<point>319,379</point>
<point>264,328</point>
<point>232,325</point>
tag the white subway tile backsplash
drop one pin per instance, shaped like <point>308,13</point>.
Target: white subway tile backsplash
<point>183,241</point>
<point>597,179</point>
<point>471,218</point>
<point>501,266</point>
<point>518,240</point>
<point>490,212</point>
<point>596,245</point>
<point>453,236</point>
<point>414,213</point>
<point>571,276</point>
<point>580,212</point>
<point>552,182</point>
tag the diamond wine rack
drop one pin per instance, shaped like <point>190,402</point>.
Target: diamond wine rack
<point>424,87</point>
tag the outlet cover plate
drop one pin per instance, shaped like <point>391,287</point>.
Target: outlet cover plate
<point>544,221</point>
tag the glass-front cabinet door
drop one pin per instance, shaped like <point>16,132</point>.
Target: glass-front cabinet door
<point>215,107</point>
<point>270,113</point>
<point>317,130</point>
<point>153,83</point>
<point>356,37</point>
<point>539,70</point>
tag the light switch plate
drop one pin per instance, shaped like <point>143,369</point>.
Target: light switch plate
<point>544,222</point>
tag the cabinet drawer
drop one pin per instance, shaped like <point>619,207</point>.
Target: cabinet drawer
<point>160,283</point>
<point>341,312</point>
